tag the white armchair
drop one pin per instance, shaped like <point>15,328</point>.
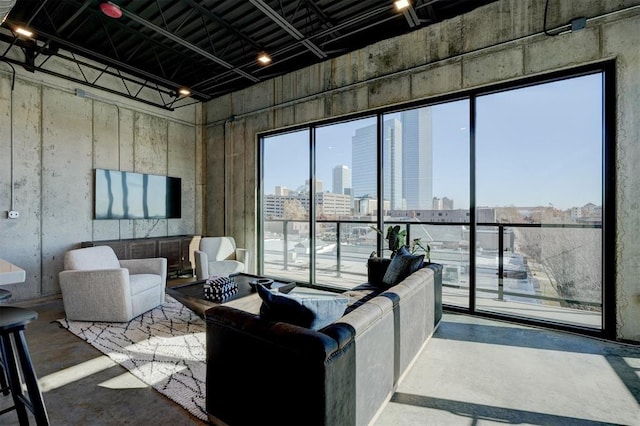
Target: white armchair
<point>96,286</point>
<point>220,256</point>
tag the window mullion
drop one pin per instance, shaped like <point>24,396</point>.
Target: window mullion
<point>380,182</point>
<point>472,203</point>
<point>312,205</point>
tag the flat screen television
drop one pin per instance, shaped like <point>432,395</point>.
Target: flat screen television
<point>128,195</point>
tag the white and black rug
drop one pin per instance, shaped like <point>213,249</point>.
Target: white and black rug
<point>165,348</point>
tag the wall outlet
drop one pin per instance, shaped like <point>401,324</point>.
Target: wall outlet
<point>13,214</point>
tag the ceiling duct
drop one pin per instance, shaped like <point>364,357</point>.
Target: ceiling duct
<point>5,8</point>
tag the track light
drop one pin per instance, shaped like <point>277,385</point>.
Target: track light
<point>24,32</point>
<point>184,91</point>
<point>264,58</point>
<point>401,4</point>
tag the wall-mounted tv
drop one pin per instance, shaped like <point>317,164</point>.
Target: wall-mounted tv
<point>127,195</point>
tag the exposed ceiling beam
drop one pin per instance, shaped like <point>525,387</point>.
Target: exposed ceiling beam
<point>85,82</point>
<point>188,45</point>
<point>275,17</point>
<point>73,17</point>
<point>69,21</point>
<point>412,17</point>
<point>326,21</point>
<point>117,64</point>
<point>224,23</point>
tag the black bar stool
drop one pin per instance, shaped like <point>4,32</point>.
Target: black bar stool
<point>4,387</point>
<point>13,321</point>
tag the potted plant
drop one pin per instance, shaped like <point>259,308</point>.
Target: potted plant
<point>396,238</point>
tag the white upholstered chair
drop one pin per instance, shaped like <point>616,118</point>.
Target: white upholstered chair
<point>96,286</point>
<point>220,256</point>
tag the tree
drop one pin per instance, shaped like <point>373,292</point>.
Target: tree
<point>570,256</point>
<point>293,209</point>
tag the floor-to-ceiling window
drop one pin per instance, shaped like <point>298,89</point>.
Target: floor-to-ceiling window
<point>346,163</point>
<point>427,187</point>
<point>327,173</point>
<point>539,158</point>
<point>503,186</point>
<point>285,185</point>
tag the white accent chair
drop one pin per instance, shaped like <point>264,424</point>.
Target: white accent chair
<point>220,256</point>
<point>96,286</point>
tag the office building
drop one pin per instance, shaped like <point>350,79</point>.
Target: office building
<point>341,183</point>
<point>417,158</point>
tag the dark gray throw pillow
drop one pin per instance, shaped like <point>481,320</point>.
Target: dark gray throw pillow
<point>376,267</point>
<point>313,310</point>
<point>402,265</point>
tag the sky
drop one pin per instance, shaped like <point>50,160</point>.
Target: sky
<point>535,146</point>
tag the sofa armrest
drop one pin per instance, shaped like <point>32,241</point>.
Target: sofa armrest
<point>202,264</point>
<point>244,256</point>
<point>157,266</point>
<point>96,295</point>
<point>269,357</point>
<point>287,336</point>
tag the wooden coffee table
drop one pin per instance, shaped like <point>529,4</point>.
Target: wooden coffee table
<point>192,295</point>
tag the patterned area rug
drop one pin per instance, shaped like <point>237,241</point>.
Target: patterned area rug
<point>165,348</point>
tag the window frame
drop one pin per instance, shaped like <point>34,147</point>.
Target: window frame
<point>608,71</point>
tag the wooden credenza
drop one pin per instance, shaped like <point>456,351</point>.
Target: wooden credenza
<point>177,249</point>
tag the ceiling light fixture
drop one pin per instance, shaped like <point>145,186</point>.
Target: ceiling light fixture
<point>184,91</point>
<point>24,32</point>
<point>264,58</point>
<point>110,9</point>
<point>401,4</point>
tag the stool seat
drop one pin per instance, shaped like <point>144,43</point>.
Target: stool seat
<point>12,317</point>
<point>4,294</point>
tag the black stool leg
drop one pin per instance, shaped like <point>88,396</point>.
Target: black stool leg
<point>35,396</point>
<point>4,386</point>
<point>13,378</point>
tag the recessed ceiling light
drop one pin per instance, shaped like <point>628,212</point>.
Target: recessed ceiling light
<point>264,58</point>
<point>401,4</point>
<point>110,9</point>
<point>24,32</point>
<point>184,91</point>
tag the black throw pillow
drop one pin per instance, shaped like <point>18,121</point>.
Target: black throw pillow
<point>275,308</point>
<point>402,265</point>
<point>376,268</point>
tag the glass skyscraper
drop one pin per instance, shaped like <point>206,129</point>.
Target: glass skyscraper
<point>417,159</point>
<point>408,161</point>
<point>364,161</point>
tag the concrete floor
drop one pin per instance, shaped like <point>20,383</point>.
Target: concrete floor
<point>473,371</point>
<point>476,371</point>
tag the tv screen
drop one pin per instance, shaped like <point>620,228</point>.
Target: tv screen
<point>128,195</point>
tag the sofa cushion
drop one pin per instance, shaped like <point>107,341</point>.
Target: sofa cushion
<point>313,310</point>
<point>402,265</point>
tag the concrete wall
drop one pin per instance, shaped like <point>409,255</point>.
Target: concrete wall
<point>499,42</point>
<point>50,142</point>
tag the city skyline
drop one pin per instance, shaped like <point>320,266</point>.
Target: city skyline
<point>519,161</point>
